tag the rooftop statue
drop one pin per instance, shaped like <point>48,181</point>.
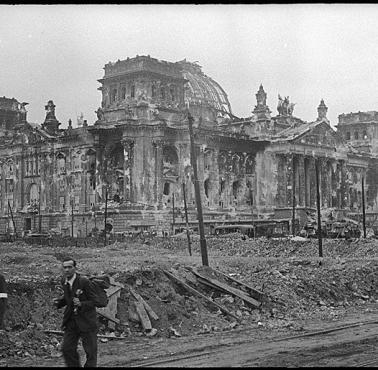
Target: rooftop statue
<point>50,109</point>
<point>284,107</point>
<point>100,114</point>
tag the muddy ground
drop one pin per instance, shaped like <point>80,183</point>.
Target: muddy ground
<point>300,293</point>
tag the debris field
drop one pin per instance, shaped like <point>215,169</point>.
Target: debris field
<point>264,284</point>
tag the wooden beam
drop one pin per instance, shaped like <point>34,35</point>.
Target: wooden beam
<point>199,294</point>
<point>145,321</point>
<point>235,292</point>
<point>114,319</point>
<point>145,304</point>
<point>252,291</point>
<point>60,332</point>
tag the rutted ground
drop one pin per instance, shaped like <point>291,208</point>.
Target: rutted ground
<point>296,287</point>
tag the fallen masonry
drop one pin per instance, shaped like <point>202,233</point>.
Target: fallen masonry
<point>264,284</point>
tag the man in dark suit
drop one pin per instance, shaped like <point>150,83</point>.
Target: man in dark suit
<point>79,318</point>
<point>3,300</point>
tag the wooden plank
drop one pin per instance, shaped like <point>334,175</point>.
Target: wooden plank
<point>228,289</point>
<point>199,294</point>
<point>145,304</point>
<point>253,292</point>
<point>107,316</point>
<point>59,332</point>
<point>144,319</point>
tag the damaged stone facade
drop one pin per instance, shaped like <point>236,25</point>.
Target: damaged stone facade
<point>137,154</point>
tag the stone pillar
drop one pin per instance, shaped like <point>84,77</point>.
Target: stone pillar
<point>99,164</point>
<point>214,175</point>
<point>312,181</point>
<point>307,181</point>
<point>289,181</point>
<point>158,171</point>
<point>128,156</point>
<point>301,191</point>
<point>344,188</point>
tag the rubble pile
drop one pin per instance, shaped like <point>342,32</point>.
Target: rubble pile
<point>287,271</point>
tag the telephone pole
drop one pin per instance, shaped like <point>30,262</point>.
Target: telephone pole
<point>105,213</point>
<point>193,156</point>
<point>293,196</point>
<point>173,213</point>
<point>363,206</point>
<point>318,208</point>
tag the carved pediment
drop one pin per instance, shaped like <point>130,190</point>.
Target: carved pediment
<point>321,134</point>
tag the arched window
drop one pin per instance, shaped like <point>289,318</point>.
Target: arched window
<point>153,91</point>
<point>33,194</point>
<point>356,135</point>
<point>172,93</point>
<point>132,91</point>
<point>347,136</point>
<point>113,95</point>
<point>364,135</point>
<point>162,93</point>
<point>123,92</point>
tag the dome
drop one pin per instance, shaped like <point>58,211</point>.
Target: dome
<point>202,89</point>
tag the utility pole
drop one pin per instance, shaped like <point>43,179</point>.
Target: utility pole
<point>39,210</point>
<point>173,213</point>
<point>293,196</point>
<point>72,217</point>
<point>363,206</point>
<point>318,208</point>
<point>186,220</point>
<point>205,261</point>
<point>105,213</point>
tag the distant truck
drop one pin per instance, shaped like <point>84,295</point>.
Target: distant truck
<point>345,228</point>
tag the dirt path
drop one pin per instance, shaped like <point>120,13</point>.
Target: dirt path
<point>351,346</point>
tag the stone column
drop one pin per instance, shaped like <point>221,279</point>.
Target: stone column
<point>158,143</point>
<point>128,156</point>
<point>289,180</point>
<point>281,183</point>
<point>301,191</point>
<point>344,187</point>
<point>307,181</point>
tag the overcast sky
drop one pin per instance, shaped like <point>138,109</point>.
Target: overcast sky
<point>304,51</point>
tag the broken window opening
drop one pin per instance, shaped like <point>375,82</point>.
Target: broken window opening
<point>162,93</point>
<point>123,93</point>
<point>166,188</point>
<point>222,186</point>
<point>206,186</point>
<point>347,136</point>
<point>172,92</point>
<point>356,135</point>
<point>113,95</point>
<point>132,91</point>
<point>153,91</point>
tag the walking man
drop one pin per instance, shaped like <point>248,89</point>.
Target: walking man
<point>3,300</point>
<point>79,318</point>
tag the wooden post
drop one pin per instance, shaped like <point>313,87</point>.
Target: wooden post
<point>363,206</point>
<point>318,208</point>
<point>293,196</point>
<point>39,210</point>
<point>173,213</point>
<point>193,157</point>
<point>72,217</point>
<point>186,220</point>
<point>105,213</point>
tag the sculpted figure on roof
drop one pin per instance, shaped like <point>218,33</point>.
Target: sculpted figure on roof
<point>284,107</point>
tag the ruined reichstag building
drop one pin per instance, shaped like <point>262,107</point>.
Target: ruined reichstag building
<point>137,156</point>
